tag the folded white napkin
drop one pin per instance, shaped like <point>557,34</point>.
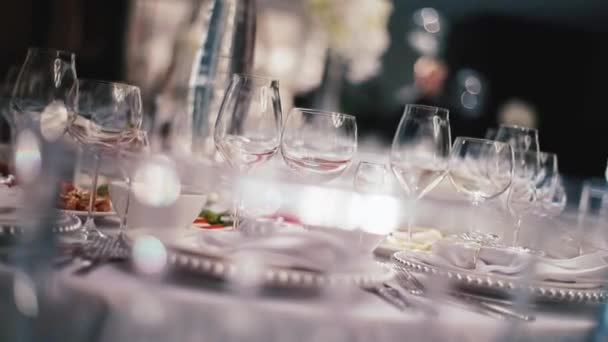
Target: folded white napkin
<point>503,260</point>
<point>291,248</point>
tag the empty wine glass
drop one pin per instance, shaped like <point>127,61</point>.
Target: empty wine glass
<point>547,185</point>
<point>480,169</point>
<point>521,199</point>
<point>369,177</point>
<point>420,151</point>
<point>45,93</point>
<point>319,145</point>
<point>130,149</point>
<point>108,115</point>
<point>521,138</point>
<point>555,202</point>
<point>248,126</point>
<point>522,194</point>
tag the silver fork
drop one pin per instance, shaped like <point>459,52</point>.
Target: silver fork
<point>409,282</point>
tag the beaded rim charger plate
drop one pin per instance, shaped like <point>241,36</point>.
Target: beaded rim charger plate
<point>503,285</point>
<point>65,224</point>
<point>212,265</point>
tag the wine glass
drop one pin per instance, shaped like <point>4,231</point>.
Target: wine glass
<point>45,93</point>
<point>130,149</point>
<point>547,184</point>
<point>109,113</point>
<point>420,151</point>
<point>319,145</point>
<point>555,202</point>
<point>369,177</point>
<point>248,126</point>
<point>522,194</point>
<point>521,199</point>
<point>480,169</point>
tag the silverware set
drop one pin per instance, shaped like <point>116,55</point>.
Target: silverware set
<point>487,306</point>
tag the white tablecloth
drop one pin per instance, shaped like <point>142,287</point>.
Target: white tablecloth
<point>112,304</point>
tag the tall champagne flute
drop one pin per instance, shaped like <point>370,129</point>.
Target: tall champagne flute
<point>480,169</point>
<point>319,145</point>
<point>248,127</point>
<point>45,94</point>
<point>420,151</point>
<point>108,114</point>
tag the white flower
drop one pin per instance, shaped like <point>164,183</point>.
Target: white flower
<point>357,32</point>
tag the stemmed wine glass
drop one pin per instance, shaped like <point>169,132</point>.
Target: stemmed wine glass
<point>522,198</point>
<point>108,114</point>
<point>420,151</point>
<point>319,145</point>
<point>550,193</point>
<point>522,194</point>
<point>130,150</point>
<point>45,94</point>
<point>248,126</point>
<point>480,169</point>
<point>369,177</point>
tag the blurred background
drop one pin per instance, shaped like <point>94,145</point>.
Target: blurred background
<point>534,63</point>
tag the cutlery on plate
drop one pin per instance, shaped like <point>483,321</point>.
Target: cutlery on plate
<point>410,283</point>
<point>390,295</point>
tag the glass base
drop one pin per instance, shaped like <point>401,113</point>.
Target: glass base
<point>91,231</point>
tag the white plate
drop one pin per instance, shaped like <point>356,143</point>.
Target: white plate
<point>184,253</point>
<point>552,291</point>
<point>83,214</point>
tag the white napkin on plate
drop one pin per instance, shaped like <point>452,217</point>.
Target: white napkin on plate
<point>507,261</point>
<point>311,250</point>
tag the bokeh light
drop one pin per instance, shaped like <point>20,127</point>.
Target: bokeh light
<point>156,182</point>
<point>24,294</point>
<point>149,255</point>
<point>54,120</point>
<point>28,160</point>
<point>425,34</point>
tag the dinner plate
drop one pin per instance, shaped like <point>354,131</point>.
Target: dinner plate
<point>83,214</point>
<point>66,223</point>
<point>504,285</point>
<point>185,253</point>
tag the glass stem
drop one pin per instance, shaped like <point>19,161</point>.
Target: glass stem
<point>123,222</point>
<point>475,204</point>
<point>516,232</point>
<point>90,223</point>
<point>410,223</point>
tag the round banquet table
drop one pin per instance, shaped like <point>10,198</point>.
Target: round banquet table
<point>113,304</point>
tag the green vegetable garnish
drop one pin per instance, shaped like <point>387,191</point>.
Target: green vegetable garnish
<point>211,216</point>
<point>103,190</point>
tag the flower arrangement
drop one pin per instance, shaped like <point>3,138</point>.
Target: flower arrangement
<point>356,31</point>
